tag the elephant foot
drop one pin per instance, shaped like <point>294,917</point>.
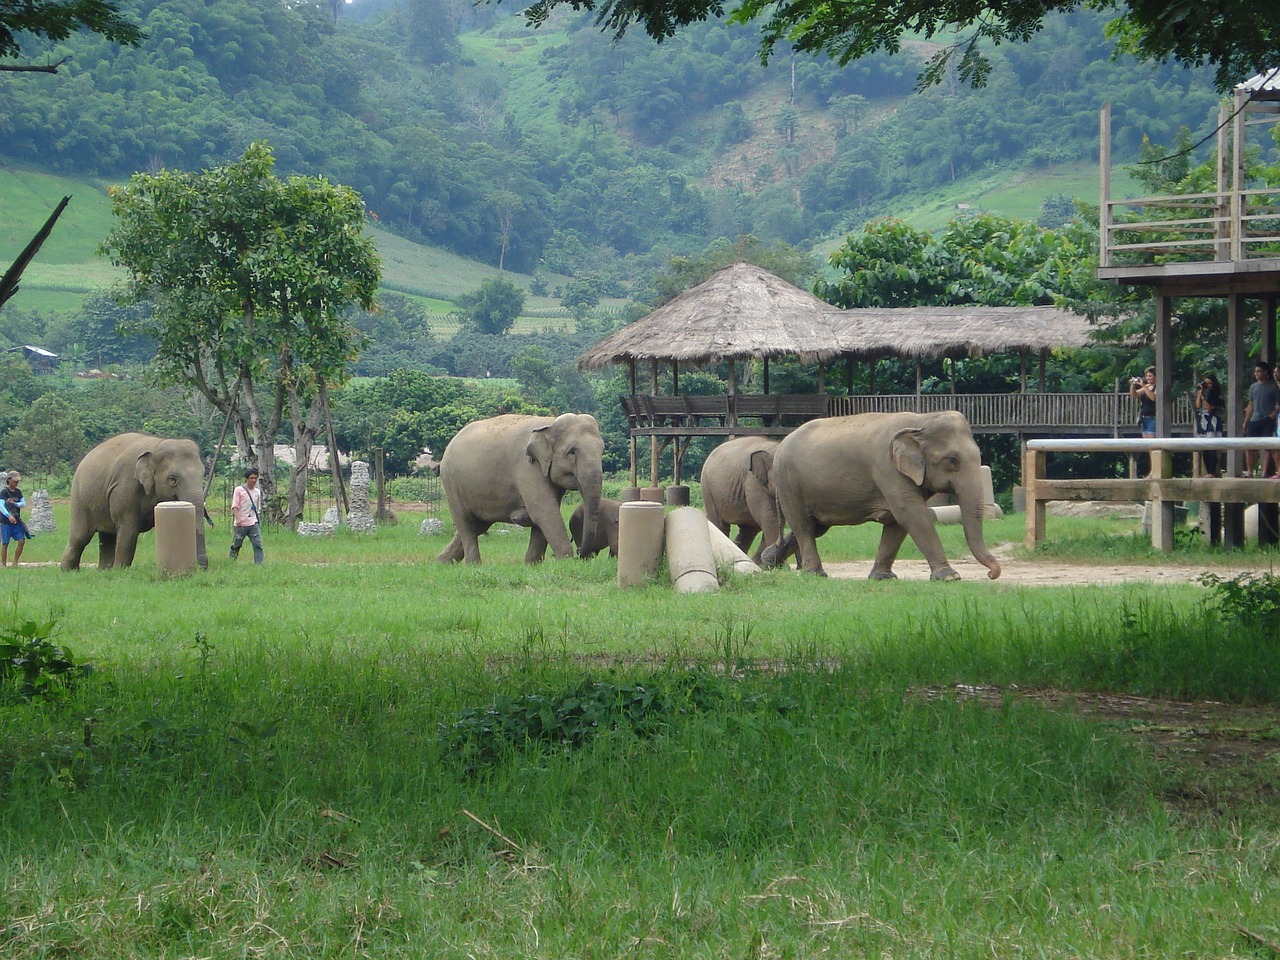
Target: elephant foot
<point>944,573</point>
<point>882,575</point>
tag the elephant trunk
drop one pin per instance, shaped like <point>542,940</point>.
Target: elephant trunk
<point>589,486</point>
<point>970,498</point>
<point>202,556</point>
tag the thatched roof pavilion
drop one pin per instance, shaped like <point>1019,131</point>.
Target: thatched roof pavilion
<point>745,312</point>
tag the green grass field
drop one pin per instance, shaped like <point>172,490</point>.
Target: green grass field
<point>352,751</point>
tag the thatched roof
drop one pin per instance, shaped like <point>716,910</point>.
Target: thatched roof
<point>968,331</point>
<point>744,311</point>
<point>741,311</point>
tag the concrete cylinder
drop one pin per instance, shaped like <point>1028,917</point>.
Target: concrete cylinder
<point>677,495</point>
<point>729,554</point>
<point>175,537</point>
<point>689,556</point>
<point>627,494</point>
<point>950,513</point>
<point>988,487</point>
<point>652,494</point>
<point>639,542</point>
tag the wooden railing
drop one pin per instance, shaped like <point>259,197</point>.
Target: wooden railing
<point>1161,488</point>
<point>1232,225</point>
<point>1095,414</point>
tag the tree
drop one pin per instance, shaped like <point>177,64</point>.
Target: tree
<point>46,438</point>
<point>1238,37</point>
<point>57,20</point>
<point>251,277</point>
<point>494,307</point>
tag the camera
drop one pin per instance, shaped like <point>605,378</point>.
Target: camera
<point>1136,381</point>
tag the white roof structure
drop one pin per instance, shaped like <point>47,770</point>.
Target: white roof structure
<point>1268,81</point>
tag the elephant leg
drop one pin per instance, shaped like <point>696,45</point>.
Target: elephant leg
<point>537,549</point>
<point>891,537</point>
<point>923,532</point>
<point>805,534</point>
<point>126,547</point>
<point>106,551</point>
<point>75,549</point>
<point>549,524</point>
<point>747,536</point>
<point>451,553</point>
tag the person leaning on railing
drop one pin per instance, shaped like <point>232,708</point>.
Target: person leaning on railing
<point>1260,416</point>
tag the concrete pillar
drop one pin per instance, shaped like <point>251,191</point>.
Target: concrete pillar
<point>677,495</point>
<point>654,494</point>
<point>175,537</point>
<point>640,530</point>
<point>689,557</point>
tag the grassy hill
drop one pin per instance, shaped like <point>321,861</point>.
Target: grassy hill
<point>68,268</point>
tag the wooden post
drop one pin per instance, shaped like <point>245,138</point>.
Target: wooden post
<point>1104,187</point>
<point>848,376</point>
<point>1033,470</point>
<point>1164,365</point>
<point>382,514</point>
<point>653,440</point>
<point>766,375</point>
<point>1161,509</point>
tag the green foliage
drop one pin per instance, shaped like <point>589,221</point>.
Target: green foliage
<point>494,307</point>
<point>58,19</point>
<point>47,438</point>
<point>1249,602</point>
<point>31,663</point>
<point>570,718</point>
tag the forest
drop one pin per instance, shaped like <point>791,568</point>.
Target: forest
<point>559,148</point>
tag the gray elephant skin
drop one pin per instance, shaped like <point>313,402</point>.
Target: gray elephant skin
<point>881,467</point>
<point>606,537</point>
<point>115,491</point>
<point>516,469</point>
<point>737,490</point>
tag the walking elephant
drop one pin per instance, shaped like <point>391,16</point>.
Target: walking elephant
<point>516,469</point>
<point>881,467</point>
<point>115,491</point>
<point>737,489</point>
<point>606,537</point>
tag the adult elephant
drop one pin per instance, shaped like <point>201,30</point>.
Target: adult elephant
<point>737,490</point>
<point>115,491</point>
<point>881,467</point>
<point>516,469</point>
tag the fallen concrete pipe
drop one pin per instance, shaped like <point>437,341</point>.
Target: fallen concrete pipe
<point>640,531</point>
<point>689,556</point>
<point>729,554</point>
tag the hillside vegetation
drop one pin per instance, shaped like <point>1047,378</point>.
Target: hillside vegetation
<point>561,152</point>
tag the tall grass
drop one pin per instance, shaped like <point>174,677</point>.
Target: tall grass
<point>261,765</point>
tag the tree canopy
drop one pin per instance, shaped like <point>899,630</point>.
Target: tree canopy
<point>252,278</point>
<point>1238,37</point>
<point>57,20</point>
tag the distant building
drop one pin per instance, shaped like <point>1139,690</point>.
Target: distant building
<point>41,360</point>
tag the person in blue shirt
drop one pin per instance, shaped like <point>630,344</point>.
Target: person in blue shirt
<point>11,526</point>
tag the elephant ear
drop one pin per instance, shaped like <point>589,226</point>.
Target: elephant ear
<point>541,448</point>
<point>144,471</point>
<point>907,453</point>
<point>762,466</point>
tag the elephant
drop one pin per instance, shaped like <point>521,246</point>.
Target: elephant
<point>881,467</point>
<point>737,489</point>
<point>115,490</point>
<point>516,469</point>
<point>606,528</point>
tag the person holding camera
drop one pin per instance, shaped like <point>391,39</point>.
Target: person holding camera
<point>1143,389</point>
<point>1207,401</point>
<point>1260,414</point>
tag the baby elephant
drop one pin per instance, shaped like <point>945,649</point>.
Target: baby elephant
<point>606,529</point>
<point>737,489</point>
